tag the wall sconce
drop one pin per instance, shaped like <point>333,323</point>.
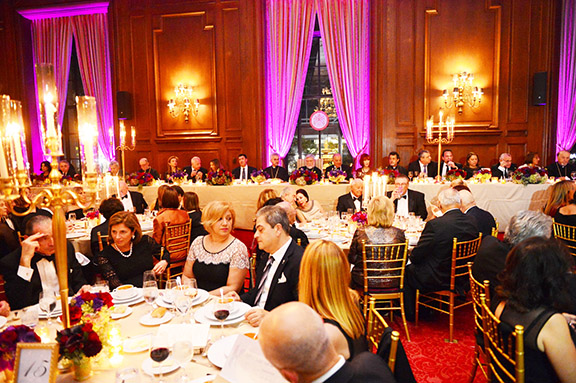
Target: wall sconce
<point>464,92</point>
<point>181,103</point>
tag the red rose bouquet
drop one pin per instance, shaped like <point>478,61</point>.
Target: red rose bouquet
<point>454,174</point>
<point>361,217</point>
<point>78,342</point>
<point>89,303</point>
<point>529,175</point>
<point>303,177</point>
<point>8,340</point>
<point>219,177</point>
<point>391,174</point>
<point>93,214</point>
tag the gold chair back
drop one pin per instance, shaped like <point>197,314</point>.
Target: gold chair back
<point>375,330</point>
<point>567,234</point>
<point>101,240</point>
<point>505,352</point>
<point>462,253</point>
<point>20,237</point>
<point>476,289</point>
<point>252,274</point>
<point>176,239</point>
<point>495,229</point>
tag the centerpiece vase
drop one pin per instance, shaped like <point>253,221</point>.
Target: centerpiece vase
<point>82,369</point>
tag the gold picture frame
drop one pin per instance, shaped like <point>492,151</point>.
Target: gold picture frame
<point>36,362</point>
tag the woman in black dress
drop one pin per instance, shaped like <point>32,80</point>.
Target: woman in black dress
<point>129,253</point>
<point>472,165</point>
<point>191,205</point>
<point>218,260</point>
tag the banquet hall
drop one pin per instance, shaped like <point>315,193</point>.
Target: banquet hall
<point>174,86</point>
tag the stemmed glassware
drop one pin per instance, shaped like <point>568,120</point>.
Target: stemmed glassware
<point>47,303</point>
<point>181,352</point>
<point>150,292</point>
<point>148,276</point>
<point>222,308</point>
<point>182,301</point>
<point>159,352</point>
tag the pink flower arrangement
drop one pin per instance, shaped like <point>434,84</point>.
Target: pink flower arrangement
<point>8,340</point>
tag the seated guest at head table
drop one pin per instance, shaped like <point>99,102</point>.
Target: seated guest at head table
<point>195,171</point>
<point>170,214</point>
<point>378,231</point>
<point>115,169</point>
<point>338,165</point>
<point>218,260</point>
<point>45,168</point>
<point>535,286</point>
<point>561,168</point>
<point>505,167</point>
<point>561,194</point>
<point>472,165</point>
<point>307,210</point>
<point>66,168</point>
<point>191,205</point>
<point>365,167</point>
<point>4,309</point>
<point>275,170</point>
<point>394,163</point>
<point>215,165</point>
<point>244,171</point>
<point>323,285</point>
<point>423,166</point>
<point>8,237</point>
<point>172,167</point>
<point>532,159</point>
<point>146,168</point>
<point>30,269</point>
<point>310,165</point>
<point>108,208</point>
<point>448,162</point>
<point>129,253</point>
<point>353,200</point>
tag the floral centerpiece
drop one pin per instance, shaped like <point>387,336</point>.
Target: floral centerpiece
<point>391,174</point>
<point>93,217</point>
<point>529,175</point>
<point>141,179</point>
<point>360,217</point>
<point>454,174</point>
<point>219,177</point>
<point>303,177</point>
<point>483,175</point>
<point>178,177</point>
<point>336,176</point>
<point>78,344</point>
<point>67,180</point>
<point>39,179</point>
<point>8,340</point>
<point>259,176</point>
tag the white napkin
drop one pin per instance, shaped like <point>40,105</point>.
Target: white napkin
<point>48,275</point>
<point>82,259</point>
<point>197,334</point>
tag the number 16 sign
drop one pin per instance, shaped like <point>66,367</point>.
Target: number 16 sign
<point>36,362</point>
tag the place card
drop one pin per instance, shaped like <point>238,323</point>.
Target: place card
<point>36,362</point>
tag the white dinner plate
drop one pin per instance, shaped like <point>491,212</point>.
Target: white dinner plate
<point>336,238</point>
<point>315,235</point>
<point>116,296</point>
<point>237,310</point>
<point>128,311</point>
<point>152,368</point>
<point>139,297</point>
<point>220,350</point>
<point>137,344</point>
<point>147,320</point>
<point>3,321</point>
<point>75,235</point>
<point>201,315</point>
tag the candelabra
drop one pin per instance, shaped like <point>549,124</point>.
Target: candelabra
<point>124,146</point>
<point>443,127</point>
<point>14,178</point>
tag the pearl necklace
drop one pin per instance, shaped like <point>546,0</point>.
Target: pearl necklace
<point>121,252</point>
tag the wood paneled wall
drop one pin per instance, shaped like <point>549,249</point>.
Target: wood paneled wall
<point>217,47</point>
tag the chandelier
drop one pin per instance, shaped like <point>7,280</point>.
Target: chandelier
<point>463,93</point>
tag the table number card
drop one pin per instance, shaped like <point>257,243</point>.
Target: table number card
<point>36,362</point>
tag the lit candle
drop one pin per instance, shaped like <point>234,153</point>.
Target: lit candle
<point>3,165</point>
<point>122,134</point>
<point>117,186</point>
<point>133,136</point>
<point>107,182</point>
<point>111,135</point>
<point>50,111</point>
<point>374,184</point>
<point>366,187</point>
<point>17,146</point>
<point>429,126</point>
<point>89,150</point>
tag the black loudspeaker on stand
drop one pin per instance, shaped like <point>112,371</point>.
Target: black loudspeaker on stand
<point>124,105</point>
<point>539,88</point>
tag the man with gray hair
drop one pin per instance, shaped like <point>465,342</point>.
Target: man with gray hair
<point>310,164</point>
<point>289,195</point>
<point>352,200</point>
<point>431,258</point>
<point>484,220</point>
<point>195,171</point>
<point>294,339</point>
<point>146,168</point>
<point>278,270</point>
<point>561,168</point>
<point>115,169</point>
<point>491,257</point>
<point>505,167</point>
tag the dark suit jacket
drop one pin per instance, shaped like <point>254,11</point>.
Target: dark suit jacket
<point>432,257</point>
<point>345,168</point>
<point>236,172</point>
<point>315,169</point>
<point>484,220</point>
<point>279,293</point>
<point>459,166</point>
<point>490,261</point>
<point>277,172</point>
<point>364,368</point>
<point>556,170</point>
<point>399,169</point>
<point>103,229</point>
<point>188,170</point>
<point>416,203</point>
<point>298,234</point>
<point>138,202</point>
<point>346,202</point>
<point>415,167</point>
<point>153,172</point>
<point>21,293</point>
<point>498,173</point>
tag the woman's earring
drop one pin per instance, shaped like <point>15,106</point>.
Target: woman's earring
<point>133,237</point>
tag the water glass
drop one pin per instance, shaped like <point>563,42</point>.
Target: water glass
<point>150,292</point>
<point>181,352</point>
<point>47,303</point>
<point>148,276</point>
<point>169,291</point>
<point>30,316</point>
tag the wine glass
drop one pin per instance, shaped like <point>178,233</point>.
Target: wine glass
<point>181,352</point>
<point>222,308</point>
<point>182,301</point>
<point>47,304</point>
<point>159,352</point>
<point>150,292</point>
<point>169,291</point>
<point>148,276</point>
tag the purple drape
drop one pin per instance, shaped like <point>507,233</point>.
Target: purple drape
<point>289,26</point>
<point>345,30</point>
<point>566,130</point>
<point>52,44</point>
<point>91,37</point>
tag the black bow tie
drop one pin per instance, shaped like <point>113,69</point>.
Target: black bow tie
<point>355,199</point>
<point>126,196</point>
<point>404,197</point>
<point>46,257</point>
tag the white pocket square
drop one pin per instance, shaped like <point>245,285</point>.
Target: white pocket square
<point>282,279</point>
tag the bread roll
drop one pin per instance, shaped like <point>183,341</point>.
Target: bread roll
<point>158,312</point>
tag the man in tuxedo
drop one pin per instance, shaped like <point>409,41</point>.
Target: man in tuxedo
<point>195,171</point>
<point>407,201</point>
<point>309,164</point>
<point>108,208</point>
<point>423,166</point>
<point>243,172</point>
<point>278,271</point>
<point>275,170</point>
<point>337,165</point>
<point>394,163</point>
<point>484,220</point>
<point>561,168</point>
<point>448,162</point>
<point>146,168</point>
<point>132,200</point>
<point>431,258</point>
<point>505,167</point>
<point>21,267</point>
<point>294,339</point>
<point>352,200</point>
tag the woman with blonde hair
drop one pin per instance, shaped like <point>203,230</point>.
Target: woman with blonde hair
<point>265,196</point>
<point>561,194</point>
<point>323,285</point>
<point>218,260</point>
<point>172,166</point>
<point>378,231</point>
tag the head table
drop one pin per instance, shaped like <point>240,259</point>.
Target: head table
<point>502,200</point>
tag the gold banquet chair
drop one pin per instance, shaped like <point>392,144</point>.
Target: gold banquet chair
<point>176,239</point>
<point>385,263</point>
<point>495,229</point>
<point>567,234</point>
<point>375,330</point>
<point>476,289</point>
<point>101,240</point>
<point>505,352</point>
<point>444,301</point>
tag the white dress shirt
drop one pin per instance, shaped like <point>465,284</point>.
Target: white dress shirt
<point>505,171</point>
<point>402,206</point>
<point>278,256</point>
<point>331,371</point>
<point>244,173</point>
<point>357,203</point>
<point>127,202</point>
